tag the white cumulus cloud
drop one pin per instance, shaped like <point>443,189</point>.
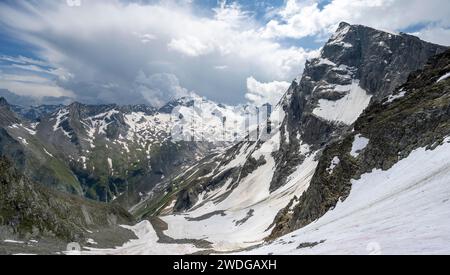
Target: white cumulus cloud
<point>302,18</point>
<point>159,88</point>
<point>261,93</point>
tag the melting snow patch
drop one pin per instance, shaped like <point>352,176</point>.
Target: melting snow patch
<point>60,118</point>
<point>110,164</point>
<point>324,61</point>
<point>392,98</point>
<point>45,150</point>
<point>335,162</point>
<point>30,131</point>
<point>339,36</point>
<point>346,109</point>
<point>24,141</point>
<point>444,77</point>
<point>146,244</point>
<point>359,144</point>
<point>14,242</point>
<point>83,160</point>
<point>403,210</point>
<point>91,242</point>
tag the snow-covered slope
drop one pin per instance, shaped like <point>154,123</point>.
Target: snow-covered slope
<point>145,244</point>
<point>234,218</point>
<point>348,108</point>
<point>404,210</point>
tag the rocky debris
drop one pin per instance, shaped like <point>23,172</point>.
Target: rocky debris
<point>310,245</point>
<point>251,165</point>
<point>246,218</point>
<point>206,216</point>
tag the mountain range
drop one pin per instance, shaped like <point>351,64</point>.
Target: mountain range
<point>341,145</point>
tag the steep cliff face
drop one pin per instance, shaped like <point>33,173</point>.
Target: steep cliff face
<point>358,65</point>
<point>416,115</point>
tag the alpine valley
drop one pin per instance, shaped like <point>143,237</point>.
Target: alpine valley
<point>354,159</point>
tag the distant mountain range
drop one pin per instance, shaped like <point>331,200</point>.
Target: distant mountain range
<point>104,151</point>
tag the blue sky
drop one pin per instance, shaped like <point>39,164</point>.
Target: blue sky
<point>119,51</point>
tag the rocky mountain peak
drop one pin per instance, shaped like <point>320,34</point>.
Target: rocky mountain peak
<point>357,66</point>
<point>76,105</point>
<point>380,60</point>
<point>184,101</point>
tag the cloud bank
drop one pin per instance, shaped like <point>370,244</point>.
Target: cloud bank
<point>127,52</point>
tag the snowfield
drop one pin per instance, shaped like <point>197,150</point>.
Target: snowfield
<point>405,210</point>
<point>359,144</point>
<point>347,109</point>
<point>246,215</point>
<point>444,77</point>
<point>146,244</point>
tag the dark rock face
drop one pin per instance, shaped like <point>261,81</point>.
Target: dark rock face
<point>251,165</point>
<point>418,118</point>
<point>186,199</point>
<point>382,60</point>
<point>376,61</point>
<point>7,117</point>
